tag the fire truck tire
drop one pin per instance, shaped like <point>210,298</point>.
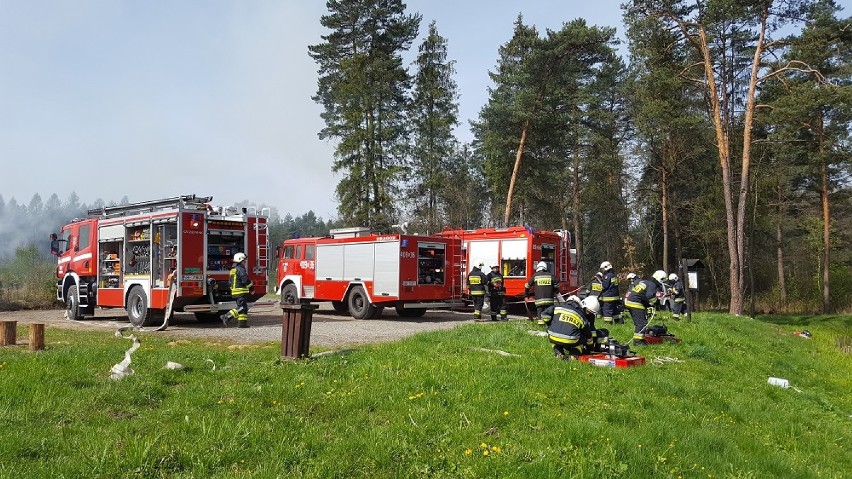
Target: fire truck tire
<point>137,308</point>
<point>289,294</point>
<point>410,312</point>
<point>360,306</point>
<point>339,306</point>
<point>72,304</point>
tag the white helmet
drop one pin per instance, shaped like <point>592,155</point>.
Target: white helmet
<point>606,266</point>
<point>672,277</point>
<point>239,257</point>
<point>591,304</point>
<point>659,275</point>
<point>541,266</point>
<point>630,276</point>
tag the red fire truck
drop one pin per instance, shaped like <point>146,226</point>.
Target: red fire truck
<point>364,273</point>
<point>517,250</point>
<point>156,257</point>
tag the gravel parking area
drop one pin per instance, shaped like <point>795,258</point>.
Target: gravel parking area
<point>329,329</point>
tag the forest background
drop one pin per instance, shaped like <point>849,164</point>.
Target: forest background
<point>723,136</point>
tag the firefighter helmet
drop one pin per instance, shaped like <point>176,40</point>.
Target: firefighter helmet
<point>541,266</point>
<point>592,305</point>
<point>239,257</point>
<point>659,275</point>
<point>630,276</point>
<point>672,277</point>
<point>606,266</point>
<point>480,265</point>
<point>495,266</point>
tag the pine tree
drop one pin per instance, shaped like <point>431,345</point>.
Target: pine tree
<point>434,113</point>
<point>363,88</point>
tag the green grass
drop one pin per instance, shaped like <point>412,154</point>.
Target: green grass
<point>429,406</point>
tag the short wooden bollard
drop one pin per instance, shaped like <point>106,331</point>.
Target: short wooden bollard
<point>8,333</point>
<point>296,330</point>
<point>36,336</point>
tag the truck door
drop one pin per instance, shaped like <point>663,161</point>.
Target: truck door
<point>81,249</point>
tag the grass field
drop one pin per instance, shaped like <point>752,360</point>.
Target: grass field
<point>430,406</point>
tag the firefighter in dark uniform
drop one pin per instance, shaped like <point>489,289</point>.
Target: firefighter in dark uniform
<point>497,293</point>
<point>641,301</point>
<point>570,326</point>
<point>241,286</point>
<point>596,286</point>
<point>545,286</point>
<point>477,283</point>
<point>609,296</point>
<point>677,292</point>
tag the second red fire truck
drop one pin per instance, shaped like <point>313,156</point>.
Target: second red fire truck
<point>363,273</point>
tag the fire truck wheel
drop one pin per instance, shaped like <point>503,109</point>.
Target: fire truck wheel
<point>377,312</point>
<point>410,312</point>
<point>289,294</point>
<point>72,304</point>
<point>339,306</point>
<point>359,305</point>
<point>137,307</point>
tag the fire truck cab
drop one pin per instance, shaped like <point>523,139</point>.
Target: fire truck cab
<point>517,250</point>
<point>363,273</point>
<point>156,257</point>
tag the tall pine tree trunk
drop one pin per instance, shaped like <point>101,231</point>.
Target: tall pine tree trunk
<point>779,249</point>
<point>517,167</point>
<point>746,164</point>
<point>826,223</point>
<point>665,207</point>
<point>736,304</point>
<point>576,214</point>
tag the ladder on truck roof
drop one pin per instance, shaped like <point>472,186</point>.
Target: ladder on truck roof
<point>564,255</point>
<point>261,241</point>
<point>184,201</point>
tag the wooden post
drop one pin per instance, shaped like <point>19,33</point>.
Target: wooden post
<point>36,336</point>
<point>8,333</point>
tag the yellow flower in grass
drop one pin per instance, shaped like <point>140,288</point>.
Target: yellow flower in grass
<point>505,413</point>
<point>495,448</point>
<point>468,452</point>
<point>485,452</point>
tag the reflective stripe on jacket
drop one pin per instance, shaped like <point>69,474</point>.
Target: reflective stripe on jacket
<point>239,281</point>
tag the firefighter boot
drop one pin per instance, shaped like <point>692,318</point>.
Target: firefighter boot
<point>227,318</point>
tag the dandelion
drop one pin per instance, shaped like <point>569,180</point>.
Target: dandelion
<point>485,452</point>
<point>468,452</point>
<point>640,446</point>
<point>495,448</point>
<point>483,445</point>
<point>505,413</point>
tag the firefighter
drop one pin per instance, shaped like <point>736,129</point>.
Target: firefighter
<point>570,326</point>
<point>544,285</point>
<point>55,246</point>
<point>677,292</point>
<point>609,296</point>
<point>241,286</point>
<point>476,284</point>
<point>641,301</point>
<point>632,278</point>
<point>497,293</point>
<point>596,285</point>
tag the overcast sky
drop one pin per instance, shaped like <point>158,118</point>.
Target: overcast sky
<point>153,99</point>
